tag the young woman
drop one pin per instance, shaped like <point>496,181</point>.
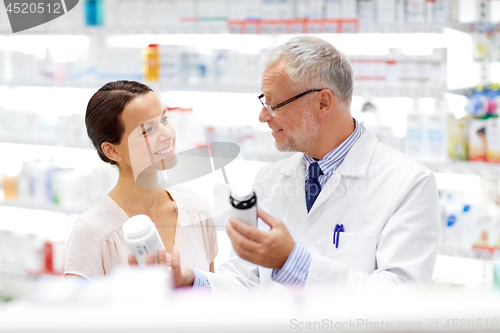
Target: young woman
<point>130,129</point>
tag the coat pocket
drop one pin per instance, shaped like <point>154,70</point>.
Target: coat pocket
<point>357,250</point>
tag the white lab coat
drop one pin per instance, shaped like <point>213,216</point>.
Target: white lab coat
<point>387,203</point>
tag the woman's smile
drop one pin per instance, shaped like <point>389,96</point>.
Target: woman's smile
<point>169,150</point>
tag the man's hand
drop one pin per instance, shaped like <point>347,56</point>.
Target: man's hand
<point>265,248</point>
<point>182,275</point>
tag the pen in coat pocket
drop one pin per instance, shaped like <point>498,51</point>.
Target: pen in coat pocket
<point>336,233</point>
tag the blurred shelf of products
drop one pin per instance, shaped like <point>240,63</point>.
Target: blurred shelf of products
<point>253,16</point>
<point>411,61</point>
<point>395,74</point>
<point>264,16</point>
<point>35,244</point>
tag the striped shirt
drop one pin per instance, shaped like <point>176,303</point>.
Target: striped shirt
<point>296,268</point>
<point>200,280</point>
<point>294,271</point>
<point>331,161</point>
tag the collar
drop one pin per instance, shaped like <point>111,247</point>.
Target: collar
<point>331,161</point>
<point>356,161</point>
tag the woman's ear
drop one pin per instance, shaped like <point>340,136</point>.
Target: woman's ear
<point>110,151</point>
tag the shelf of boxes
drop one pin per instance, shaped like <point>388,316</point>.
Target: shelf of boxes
<point>183,69</point>
<point>485,253</point>
<point>260,26</point>
<point>199,87</point>
<point>43,207</point>
<point>32,242</point>
<point>241,87</point>
<point>247,16</point>
<point>483,169</point>
<point>54,178</point>
<point>264,27</point>
<point>360,89</point>
<point>429,27</point>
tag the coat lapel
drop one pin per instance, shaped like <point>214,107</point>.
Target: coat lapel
<point>355,165</point>
<point>293,185</point>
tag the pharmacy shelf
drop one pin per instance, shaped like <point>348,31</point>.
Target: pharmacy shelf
<point>236,87</point>
<point>489,170</point>
<point>397,91</point>
<point>467,92</point>
<point>34,151</point>
<point>85,146</point>
<point>262,27</point>
<point>463,91</point>
<point>402,28</point>
<point>43,207</point>
<point>474,27</point>
<point>464,27</point>
<point>475,168</point>
<point>15,284</point>
<point>108,31</point>
<point>363,90</point>
<point>476,252</point>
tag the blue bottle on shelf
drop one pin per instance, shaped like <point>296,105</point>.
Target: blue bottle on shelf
<point>94,12</point>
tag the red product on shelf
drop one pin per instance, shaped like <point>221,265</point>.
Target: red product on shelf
<point>345,25</point>
<point>48,255</point>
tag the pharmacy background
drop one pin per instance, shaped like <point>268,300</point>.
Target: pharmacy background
<point>426,82</point>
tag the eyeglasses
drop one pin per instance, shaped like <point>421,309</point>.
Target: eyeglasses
<point>271,108</point>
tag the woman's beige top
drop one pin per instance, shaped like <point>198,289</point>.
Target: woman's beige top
<point>96,244</point>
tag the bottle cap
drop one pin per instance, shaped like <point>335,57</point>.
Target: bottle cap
<point>242,192</point>
<point>137,225</point>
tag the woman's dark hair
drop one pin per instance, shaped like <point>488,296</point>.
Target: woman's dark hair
<point>104,109</point>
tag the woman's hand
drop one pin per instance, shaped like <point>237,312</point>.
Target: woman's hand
<point>164,259</point>
<point>182,275</point>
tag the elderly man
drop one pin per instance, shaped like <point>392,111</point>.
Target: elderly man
<point>345,208</point>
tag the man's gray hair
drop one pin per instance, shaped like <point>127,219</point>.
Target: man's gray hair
<point>313,63</point>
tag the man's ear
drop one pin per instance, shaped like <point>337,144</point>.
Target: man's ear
<point>327,101</point>
<point>110,151</point>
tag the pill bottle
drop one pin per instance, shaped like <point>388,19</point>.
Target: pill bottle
<point>151,63</point>
<point>142,238</point>
<point>243,201</point>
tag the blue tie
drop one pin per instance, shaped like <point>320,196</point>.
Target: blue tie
<point>313,186</point>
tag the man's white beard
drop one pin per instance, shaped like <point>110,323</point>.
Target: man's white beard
<point>304,137</point>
